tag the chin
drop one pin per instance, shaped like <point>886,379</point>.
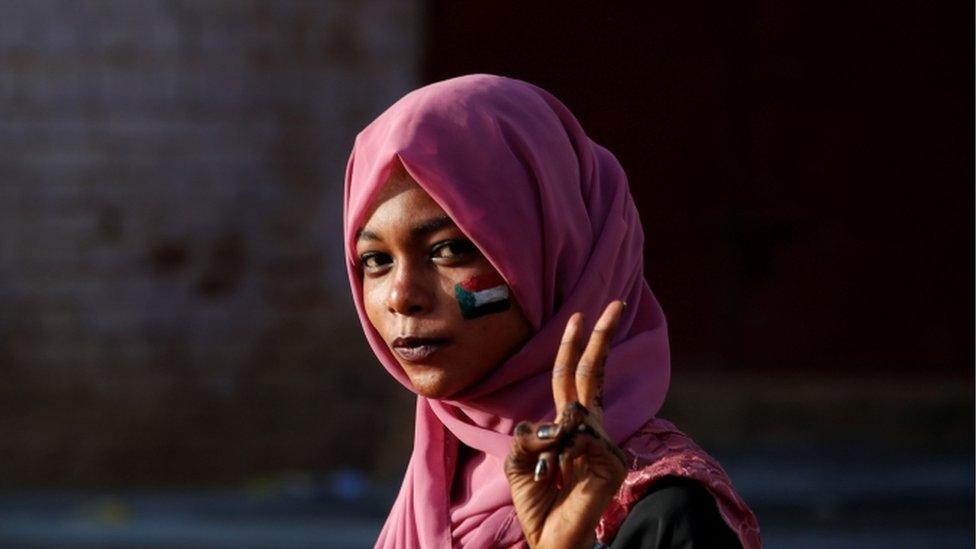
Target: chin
<point>432,385</point>
<point>436,393</point>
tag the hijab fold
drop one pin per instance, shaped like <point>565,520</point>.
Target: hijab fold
<point>551,210</point>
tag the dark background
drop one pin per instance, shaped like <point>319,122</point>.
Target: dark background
<point>182,362</point>
<point>804,171</point>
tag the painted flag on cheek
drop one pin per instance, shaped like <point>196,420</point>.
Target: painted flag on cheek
<point>482,295</point>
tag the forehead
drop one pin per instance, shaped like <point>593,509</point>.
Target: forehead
<point>401,206</point>
<point>399,184</point>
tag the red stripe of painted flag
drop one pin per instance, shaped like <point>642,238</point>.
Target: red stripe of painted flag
<point>483,282</point>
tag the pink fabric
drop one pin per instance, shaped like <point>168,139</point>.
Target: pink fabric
<point>659,450</point>
<point>552,212</point>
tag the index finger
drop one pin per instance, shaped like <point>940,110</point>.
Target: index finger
<point>564,369</point>
<point>589,372</point>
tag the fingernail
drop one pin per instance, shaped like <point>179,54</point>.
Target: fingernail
<point>625,303</point>
<point>522,428</point>
<point>547,432</point>
<point>540,469</point>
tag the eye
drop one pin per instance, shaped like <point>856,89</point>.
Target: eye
<point>372,261</point>
<point>453,250</point>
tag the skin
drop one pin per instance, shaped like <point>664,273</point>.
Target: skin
<point>408,290</point>
<point>412,255</point>
<point>562,481</point>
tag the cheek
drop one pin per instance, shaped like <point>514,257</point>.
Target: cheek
<point>485,344</point>
<point>482,294</point>
<point>373,303</point>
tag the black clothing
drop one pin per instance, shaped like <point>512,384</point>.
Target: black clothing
<point>676,513</point>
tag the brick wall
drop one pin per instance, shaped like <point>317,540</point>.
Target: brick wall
<point>173,305</point>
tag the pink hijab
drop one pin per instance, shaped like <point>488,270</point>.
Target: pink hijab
<point>551,210</point>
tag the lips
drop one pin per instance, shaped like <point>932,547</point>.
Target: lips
<point>417,349</point>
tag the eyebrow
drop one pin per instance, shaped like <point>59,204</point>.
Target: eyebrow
<point>420,229</point>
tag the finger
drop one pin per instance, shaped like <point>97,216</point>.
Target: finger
<point>523,456</point>
<point>590,441</point>
<point>531,438</point>
<point>544,467</point>
<point>599,442</point>
<point>574,457</point>
<point>572,416</point>
<point>567,473</point>
<point>564,369</point>
<point>589,371</point>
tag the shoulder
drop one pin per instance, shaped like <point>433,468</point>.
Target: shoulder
<point>675,512</point>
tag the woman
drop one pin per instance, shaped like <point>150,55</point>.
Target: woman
<point>487,239</point>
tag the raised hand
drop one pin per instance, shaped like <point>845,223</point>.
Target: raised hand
<point>564,473</point>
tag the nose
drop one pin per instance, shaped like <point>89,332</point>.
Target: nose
<point>411,293</point>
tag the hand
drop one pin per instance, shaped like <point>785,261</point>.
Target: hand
<point>563,474</point>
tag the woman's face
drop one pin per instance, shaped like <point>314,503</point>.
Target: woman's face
<point>442,309</point>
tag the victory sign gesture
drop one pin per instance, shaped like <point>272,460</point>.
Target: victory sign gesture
<point>564,473</point>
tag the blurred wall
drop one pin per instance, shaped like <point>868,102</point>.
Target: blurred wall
<point>174,301</point>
